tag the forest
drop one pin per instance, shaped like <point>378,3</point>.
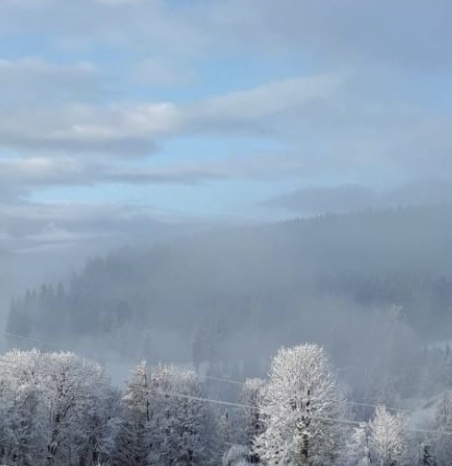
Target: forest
<point>225,233</point>
<point>330,334</point>
<point>60,409</point>
<point>231,296</point>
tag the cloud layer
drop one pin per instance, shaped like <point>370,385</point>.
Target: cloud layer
<point>349,198</point>
<point>97,93</point>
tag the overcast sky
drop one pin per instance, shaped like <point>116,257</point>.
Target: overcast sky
<point>120,115</point>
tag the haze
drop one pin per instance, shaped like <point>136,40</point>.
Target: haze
<point>200,183</point>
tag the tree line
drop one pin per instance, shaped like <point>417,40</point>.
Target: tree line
<point>60,409</point>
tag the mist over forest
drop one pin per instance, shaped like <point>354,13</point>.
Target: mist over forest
<point>225,233</point>
<point>209,310</point>
<point>230,297</point>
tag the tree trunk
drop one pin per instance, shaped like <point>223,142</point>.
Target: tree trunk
<point>304,453</point>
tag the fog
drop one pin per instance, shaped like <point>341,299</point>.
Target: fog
<point>200,184</point>
<point>230,296</point>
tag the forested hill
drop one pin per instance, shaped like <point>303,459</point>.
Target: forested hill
<point>247,290</point>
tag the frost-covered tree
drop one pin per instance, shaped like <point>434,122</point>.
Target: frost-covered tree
<point>236,455</point>
<point>72,387</point>
<point>301,408</point>
<point>47,402</point>
<point>102,424</point>
<point>24,412</point>
<point>23,420</point>
<point>229,428</point>
<point>426,458</point>
<point>382,441</point>
<point>165,420</point>
<point>357,452</point>
<point>133,438</point>
<point>250,394</point>
<point>388,438</point>
<point>442,441</point>
<point>181,428</point>
<point>5,408</point>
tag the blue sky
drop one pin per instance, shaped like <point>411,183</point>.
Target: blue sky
<point>260,110</point>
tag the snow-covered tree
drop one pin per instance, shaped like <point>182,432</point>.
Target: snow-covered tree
<point>426,458</point>
<point>72,387</point>
<point>102,424</point>
<point>446,369</point>
<point>388,438</point>
<point>182,428</point>
<point>165,420</point>
<point>24,420</point>
<point>236,455</point>
<point>442,441</point>
<point>301,408</point>
<point>382,441</point>
<point>47,401</point>
<point>252,424</point>
<point>133,438</point>
<point>357,452</point>
<point>229,428</point>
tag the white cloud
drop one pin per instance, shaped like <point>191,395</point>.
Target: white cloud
<point>155,23</point>
<point>319,117</point>
<point>35,226</point>
<point>32,81</point>
<point>269,99</point>
<point>378,119</point>
<point>38,66</point>
<point>353,197</point>
<point>406,33</point>
<point>22,175</point>
<point>131,129</point>
<point>157,71</point>
<point>118,2</point>
<point>403,34</point>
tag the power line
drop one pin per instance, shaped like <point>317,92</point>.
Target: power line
<point>319,418</point>
<point>220,379</point>
<point>250,407</point>
<point>371,405</point>
<point>355,403</point>
<point>233,381</point>
<point>35,370</point>
<point>35,340</point>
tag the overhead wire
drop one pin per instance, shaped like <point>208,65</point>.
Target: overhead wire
<point>250,407</point>
<point>354,403</point>
<point>233,381</point>
<point>319,418</point>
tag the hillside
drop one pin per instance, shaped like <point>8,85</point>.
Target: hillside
<point>231,282</point>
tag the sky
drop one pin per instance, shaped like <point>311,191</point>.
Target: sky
<point>126,116</point>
